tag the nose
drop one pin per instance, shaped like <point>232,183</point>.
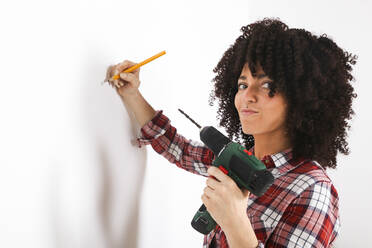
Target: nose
<point>250,93</point>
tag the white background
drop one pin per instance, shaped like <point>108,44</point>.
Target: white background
<point>69,174</point>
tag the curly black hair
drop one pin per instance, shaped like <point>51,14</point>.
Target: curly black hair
<point>311,72</point>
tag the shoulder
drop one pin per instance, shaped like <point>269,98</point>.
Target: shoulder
<point>310,176</point>
<point>313,170</point>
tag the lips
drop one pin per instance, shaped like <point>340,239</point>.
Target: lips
<point>247,112</point>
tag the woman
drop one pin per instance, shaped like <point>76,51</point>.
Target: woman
<point>286,94</point>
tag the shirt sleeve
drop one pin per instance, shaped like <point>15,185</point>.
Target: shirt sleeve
<point>189,155</point>
<point>311,220</point>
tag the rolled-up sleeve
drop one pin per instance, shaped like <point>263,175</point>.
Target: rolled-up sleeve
<point>190,155</point>
<point>156,127</point>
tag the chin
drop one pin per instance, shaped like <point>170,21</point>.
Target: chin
<point>248,131</point>
<point>253,130</point>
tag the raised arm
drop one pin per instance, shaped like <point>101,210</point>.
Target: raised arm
<point>127,87</point>
<point>156,130</point>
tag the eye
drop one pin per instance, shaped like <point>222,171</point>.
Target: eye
<point>240,84</point>
<point>267,85</point>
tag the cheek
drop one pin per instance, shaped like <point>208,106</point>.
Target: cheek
<point>271,118</point>
<point>274,117</point>
<point>236,101</point>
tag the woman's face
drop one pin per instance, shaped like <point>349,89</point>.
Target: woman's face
<point>253,95</point>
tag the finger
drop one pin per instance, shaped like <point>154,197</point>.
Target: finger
<point>128,77</point>
<point>212,182</point>
<point>116,82</point>
<point>120,83</point>
<point>111,82</point>
<point>217,173</point>
<point>125,65</point>
<point>205,199</point>
<point>124,76</point>
<point>114,71</point>
<point>208,191</point>
<point>108,73</point>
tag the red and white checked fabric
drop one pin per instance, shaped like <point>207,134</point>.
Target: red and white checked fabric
<point>300,209</point>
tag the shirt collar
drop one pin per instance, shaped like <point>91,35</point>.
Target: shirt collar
<point>280,163</point>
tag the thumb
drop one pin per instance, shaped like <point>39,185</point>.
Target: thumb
<point>127,76</point>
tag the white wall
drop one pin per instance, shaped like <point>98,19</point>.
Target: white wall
<point>70,176</point>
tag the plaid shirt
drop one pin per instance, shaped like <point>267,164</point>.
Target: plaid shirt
<point>300,209</point>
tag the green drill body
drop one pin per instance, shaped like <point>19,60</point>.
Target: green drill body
<point>235,161</point>
<point>244,169</point>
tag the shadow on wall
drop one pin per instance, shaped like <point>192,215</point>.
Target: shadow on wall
<point>119,163</point>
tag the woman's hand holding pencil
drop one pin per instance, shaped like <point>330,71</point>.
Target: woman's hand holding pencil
<point>128,82</point>
<point>125,76</point>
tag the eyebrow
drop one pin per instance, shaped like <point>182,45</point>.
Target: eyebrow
<point>262,75</point>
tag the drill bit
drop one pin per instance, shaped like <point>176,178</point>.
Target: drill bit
<point>188,117</point>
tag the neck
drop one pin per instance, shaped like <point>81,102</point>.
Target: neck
<point>268,144</point>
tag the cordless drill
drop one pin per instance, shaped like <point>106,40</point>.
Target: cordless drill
<point>235,161</point>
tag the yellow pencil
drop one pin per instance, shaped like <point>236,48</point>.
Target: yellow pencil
<point>117,76</point>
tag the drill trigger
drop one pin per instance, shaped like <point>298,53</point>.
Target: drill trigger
<point>223,169</point>
<point>248,152</point>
